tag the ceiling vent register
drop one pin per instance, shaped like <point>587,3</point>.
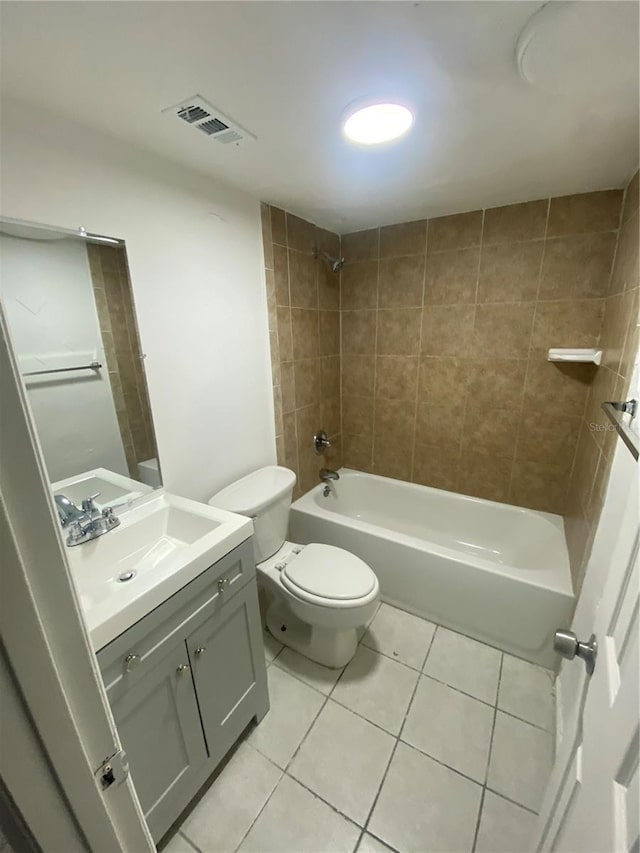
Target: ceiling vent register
<point>206,118</point>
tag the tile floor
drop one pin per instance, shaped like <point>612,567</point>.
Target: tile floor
<point>427,741</point>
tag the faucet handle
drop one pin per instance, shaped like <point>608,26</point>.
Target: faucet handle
<point>88,503</point>
<point>320,442</point>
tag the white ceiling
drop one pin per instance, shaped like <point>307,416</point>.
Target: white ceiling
<point>483,135</point>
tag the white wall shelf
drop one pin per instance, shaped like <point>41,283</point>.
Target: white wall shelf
<point>585,356</point>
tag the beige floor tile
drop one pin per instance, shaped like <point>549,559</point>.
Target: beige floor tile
<point>312,673</point>
<point>521,761</point>
<point>343,760</point>
<point>504,827</point>
<point>400,635</point>
<point>465,664</point>
<point>294,821</point>
<point>526,691</point>
<point>378,688</point>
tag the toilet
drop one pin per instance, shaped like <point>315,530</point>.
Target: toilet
<point>319,595</point>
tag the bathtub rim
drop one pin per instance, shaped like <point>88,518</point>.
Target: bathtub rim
<point>556,579</point>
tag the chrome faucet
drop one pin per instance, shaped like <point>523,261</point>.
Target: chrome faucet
<point>85,522</point>
<point>327,475</point>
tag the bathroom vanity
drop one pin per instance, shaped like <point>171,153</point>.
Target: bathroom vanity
<point>184,681</point>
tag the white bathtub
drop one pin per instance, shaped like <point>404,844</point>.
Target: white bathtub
<point>495,572</point>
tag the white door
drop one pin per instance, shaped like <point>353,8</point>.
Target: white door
<point>591,803</point>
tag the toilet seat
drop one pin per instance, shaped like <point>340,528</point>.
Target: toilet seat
<point>329,576</point>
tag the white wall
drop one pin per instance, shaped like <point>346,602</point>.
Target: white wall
<point>48,296</point>
<point>194,248</point>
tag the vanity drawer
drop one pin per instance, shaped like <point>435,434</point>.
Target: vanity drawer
<point>131,654</point>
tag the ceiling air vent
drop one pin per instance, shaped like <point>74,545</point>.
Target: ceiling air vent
<point>198,113</point>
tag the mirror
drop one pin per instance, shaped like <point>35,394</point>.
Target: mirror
<point>69,307</point>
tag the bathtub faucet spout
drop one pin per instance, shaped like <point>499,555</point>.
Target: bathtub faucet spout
<point>326,475</point>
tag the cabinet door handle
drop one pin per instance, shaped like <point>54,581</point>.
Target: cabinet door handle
<point>224,583</point>
<point>184,667</point>
<point>131,662</point>
<point>200,651</point>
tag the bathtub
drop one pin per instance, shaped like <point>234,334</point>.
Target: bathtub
<point>494,572</point>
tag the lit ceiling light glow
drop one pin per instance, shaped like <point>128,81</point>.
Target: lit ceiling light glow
<point>378,123</point>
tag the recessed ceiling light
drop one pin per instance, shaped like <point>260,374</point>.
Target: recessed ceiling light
<point>378,123</point>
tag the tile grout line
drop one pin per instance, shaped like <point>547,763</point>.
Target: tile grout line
<point>395,746</point>
<point>530,350</point>
<point>419,355</point>
<point>486,774</point>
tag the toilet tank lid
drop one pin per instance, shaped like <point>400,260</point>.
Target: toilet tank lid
<point>253,492</point>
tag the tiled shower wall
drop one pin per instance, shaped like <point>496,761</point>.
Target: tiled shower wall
<point>114,301</point>
<point>445,330</point>
<point>619,342</point>
<point>303,299</point>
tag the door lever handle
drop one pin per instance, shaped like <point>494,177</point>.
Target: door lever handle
<point>568,646</point>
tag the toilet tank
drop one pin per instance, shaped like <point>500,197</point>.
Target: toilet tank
<point>264,495</point>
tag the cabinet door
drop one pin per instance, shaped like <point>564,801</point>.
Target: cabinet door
<point>156,712</point>
<point>229,671</point>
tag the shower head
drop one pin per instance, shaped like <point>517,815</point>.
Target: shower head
<point>336,264</point>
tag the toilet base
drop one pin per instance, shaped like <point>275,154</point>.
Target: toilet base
<point>327,646</point>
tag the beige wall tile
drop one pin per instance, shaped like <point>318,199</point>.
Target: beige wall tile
<point>329,332</point>
<point>568,324</point>
<point>308,422</point>
<point>447,330</point>
<point>491,431</point>
<point>284,334</point>
<point>496,382</point>
<point>357,415</point>
<point>304,327</point>
<point>394,421</point>
<point>443,380</point>
<point>625,274</point>
<point>358,332</point>
<point>303,280</point>
<point>586,213</point>
<point>301,235</point>
<point>327,241</point>
<point>307,381</point>
<point>617,316</point>
<point>435,426</point>
<point>358,452</point>
<point>632,343</point>
<point>540,485</point>
<point>526,221</point>
<point>290,440</point>
<point>436,466</point>
<point>328,287</point>
<point>398,331</point>
<point>407,238</point>
<point>359,286</point>
<point>577,267</point>
<point>281,274</point>
<point>455,232</point>
<point>277,409</point>
<point>503,330</point>
<point>331,418</point>
<point>401,282</point>
<point>358,375</point>
<point>396,377</point>
<point>330,376</point>
<point>548,436</point>
<point>271,300</point>
<point>552,386</point>
<point>389,461</point>
<point>288,386</point>
<point>360,245</point>
<point>485,477</point>
<point>510,272</point>
<point>452,277</point>
<point>278,226</point>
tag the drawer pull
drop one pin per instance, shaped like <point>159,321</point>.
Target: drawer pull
<point>200,651</point>
<point>184,667</point>
<point>131,662</point>
<point>224,583</point>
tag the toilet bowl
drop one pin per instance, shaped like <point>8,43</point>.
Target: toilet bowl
<point>319,595</point>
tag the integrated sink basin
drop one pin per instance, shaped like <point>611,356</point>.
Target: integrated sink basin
<point>162,544</point>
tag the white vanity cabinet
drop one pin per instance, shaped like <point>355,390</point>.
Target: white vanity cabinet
<point>184,682</point>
